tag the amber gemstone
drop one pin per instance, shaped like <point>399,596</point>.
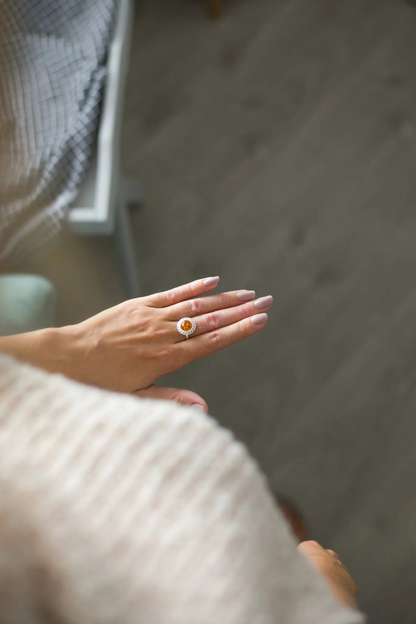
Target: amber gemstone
<point>186,326</point>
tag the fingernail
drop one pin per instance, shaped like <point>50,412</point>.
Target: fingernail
<point>211,281</point>
<point>199,406</point>
<point>246,295</point>
<point>259,319</point>
<point>264,302</point>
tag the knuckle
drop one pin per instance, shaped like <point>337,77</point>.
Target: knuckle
<point>241,329</point>
<point>224,299</point>
<point>130,306</point>
<point>171,294</point>
<point>215,339</point>
<point>213,320</point>
<point>245,311</point>
<point>195,307</point>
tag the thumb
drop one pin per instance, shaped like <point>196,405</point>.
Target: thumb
<point>184,397</point>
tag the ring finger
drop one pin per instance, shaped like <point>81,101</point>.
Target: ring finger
<point>222,318</point>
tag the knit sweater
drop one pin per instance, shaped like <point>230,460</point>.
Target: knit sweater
<point>118,510</point>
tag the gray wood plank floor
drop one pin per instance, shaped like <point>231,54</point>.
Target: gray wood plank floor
<point>277,148</point>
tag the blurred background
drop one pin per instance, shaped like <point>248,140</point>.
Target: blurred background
<point>276,147</point>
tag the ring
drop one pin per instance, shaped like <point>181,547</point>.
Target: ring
<point>186,326</point>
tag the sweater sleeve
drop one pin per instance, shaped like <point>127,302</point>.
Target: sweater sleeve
<point>144,512</point>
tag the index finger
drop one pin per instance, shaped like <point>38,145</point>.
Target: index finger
<point>182,293</point>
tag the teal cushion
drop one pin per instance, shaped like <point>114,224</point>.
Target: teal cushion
<point>27,303</point>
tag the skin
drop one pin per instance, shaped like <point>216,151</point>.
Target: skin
<point>127,348</point>
<point>327,563</point>
<point>177,395</point>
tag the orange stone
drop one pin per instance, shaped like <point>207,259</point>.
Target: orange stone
<point>186,326</point>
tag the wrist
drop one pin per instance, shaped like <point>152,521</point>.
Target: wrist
<point>61,351</point>
<point>52,349</point>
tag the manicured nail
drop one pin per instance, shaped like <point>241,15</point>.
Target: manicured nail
<point>259,319</point>
<point>211,281</point>
<point>199,406</point>
<point>264,302</point>
<point>246,295</point>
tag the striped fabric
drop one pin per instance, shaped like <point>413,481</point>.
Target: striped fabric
<point>52,72</point>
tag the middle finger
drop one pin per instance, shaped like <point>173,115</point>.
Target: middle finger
<point>204,305</point>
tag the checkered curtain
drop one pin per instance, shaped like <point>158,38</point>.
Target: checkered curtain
<point>52,73</point>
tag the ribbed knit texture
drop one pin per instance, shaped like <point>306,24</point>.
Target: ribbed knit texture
<point>115,509</point>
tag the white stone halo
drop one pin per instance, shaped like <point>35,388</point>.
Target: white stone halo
<point>185,332</point>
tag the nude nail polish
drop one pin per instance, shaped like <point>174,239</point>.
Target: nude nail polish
<point>211,281</point>
<point>263,302</point>
<point>199,406</point>
<point>259,319</point>
<point>246,295</point>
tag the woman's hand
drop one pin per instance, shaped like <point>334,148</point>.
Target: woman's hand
<point>328,564</point>
<point>128,347</point>
<point>177,395</point>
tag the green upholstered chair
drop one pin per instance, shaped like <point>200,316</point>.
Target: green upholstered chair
<point>27,302</point>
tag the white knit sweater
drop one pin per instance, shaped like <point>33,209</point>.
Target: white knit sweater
<point>116,510</point>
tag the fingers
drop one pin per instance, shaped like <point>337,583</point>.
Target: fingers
<point>313,548</point>
<point>201,346</point>
<point>310,547</point>
<point>184,397</point>
<point>182,293</point>
<point>223,318</point>
<point>327,563</point>
<point>204,305</point>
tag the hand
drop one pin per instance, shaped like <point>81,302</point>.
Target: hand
<point>128,347</point>
<point>328,564</point>
<point>183,397</point>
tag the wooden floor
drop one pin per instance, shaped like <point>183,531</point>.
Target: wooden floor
<point>277,148</point>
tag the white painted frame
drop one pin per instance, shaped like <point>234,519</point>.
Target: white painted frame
<point>102,206</point>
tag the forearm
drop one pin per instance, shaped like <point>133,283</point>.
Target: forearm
<point>73,351</point>
<point>49,349</point>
